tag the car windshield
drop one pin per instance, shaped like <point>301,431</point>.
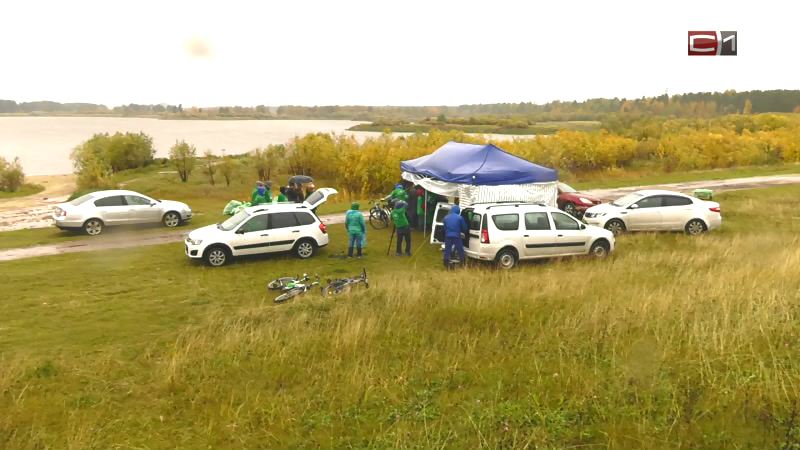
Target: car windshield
<point>626,200</point>
<point>233,221</point>
<point>82,199</point>
<point>564,187</point>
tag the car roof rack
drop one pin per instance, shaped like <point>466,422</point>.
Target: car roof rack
<point>514,204</point>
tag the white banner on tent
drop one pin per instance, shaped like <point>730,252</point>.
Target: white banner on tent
<point>546,193</point>
<point>468,194</point>
<point>429,184</point>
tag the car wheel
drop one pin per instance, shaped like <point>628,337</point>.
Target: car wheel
<point>600,249</point>
<point>305,249</point>
<point>570,209</point>
<point>506,259</point>
<point>172,219</point>
<point>217,256</point>
<point>93,227</point>
<point>615,226</point>
<point>695,227</point>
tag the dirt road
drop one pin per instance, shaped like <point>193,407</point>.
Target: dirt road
<point>118,240</point>
<point>33,211</point>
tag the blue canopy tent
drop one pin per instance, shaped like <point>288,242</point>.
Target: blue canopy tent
<point>481,174</point>
<point>479,165</point>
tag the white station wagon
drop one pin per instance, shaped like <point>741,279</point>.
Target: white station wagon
<point>92,213</point>
<point>267,228</point>
<point>509,232</point>
<point>655,210</point>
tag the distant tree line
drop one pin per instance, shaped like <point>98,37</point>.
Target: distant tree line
<point>702,104</point>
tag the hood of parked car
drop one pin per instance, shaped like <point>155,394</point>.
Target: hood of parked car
<point>579,198</point>
<point>173,205</point>
<point>603,208</point>
<point>207,232</point>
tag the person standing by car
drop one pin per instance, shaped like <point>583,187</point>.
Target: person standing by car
<point>291,193</point>
<point>400,221</point>
<point>282,195</point>
<point>260,195</point>
<point>356,229</point>
<point>454,225</point>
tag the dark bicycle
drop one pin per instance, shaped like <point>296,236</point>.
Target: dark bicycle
<point>379,214</point>
<point>344,285</point>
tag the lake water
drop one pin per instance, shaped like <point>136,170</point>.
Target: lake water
<point>43,144</point>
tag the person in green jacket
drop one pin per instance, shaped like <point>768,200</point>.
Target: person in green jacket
<point>420,209</point>
<point>282,196</point>
<point>396,195</point>
<point>260,195</point>
<point>401,225</point>
<point>356,229</point>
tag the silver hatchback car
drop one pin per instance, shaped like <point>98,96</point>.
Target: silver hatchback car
<point>91,213</point>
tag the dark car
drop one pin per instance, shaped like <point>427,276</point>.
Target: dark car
<point>573,202</point>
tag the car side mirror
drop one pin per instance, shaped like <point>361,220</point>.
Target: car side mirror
<point>582,226</point>
<point>152,203</point>
<point>633,206</point>
<point>240,231</point>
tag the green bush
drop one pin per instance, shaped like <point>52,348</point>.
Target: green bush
<point>12,176</point>
<point>103,155</point>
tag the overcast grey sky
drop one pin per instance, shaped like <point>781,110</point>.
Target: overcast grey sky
<point>384,52</point>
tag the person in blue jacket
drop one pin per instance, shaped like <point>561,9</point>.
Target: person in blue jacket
<point>454,225</point>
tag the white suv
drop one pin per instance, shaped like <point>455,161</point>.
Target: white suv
<point>654,210</point>
<point>508,232</point>
<point>267,228</point>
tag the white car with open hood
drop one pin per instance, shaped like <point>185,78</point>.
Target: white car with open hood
<point>656,210</point>
<point>506,233</point>
<point>93,212</point>
<point>267,228</point>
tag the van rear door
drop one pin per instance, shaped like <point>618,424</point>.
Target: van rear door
<point>437,230</point>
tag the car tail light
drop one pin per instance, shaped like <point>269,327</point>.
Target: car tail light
<point>715,209</point>
<point>323,228</point>
<point>484,236</point>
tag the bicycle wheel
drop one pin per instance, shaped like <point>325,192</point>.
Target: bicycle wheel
<point>378,219</point>
<point>288,295</point>
<point>335,289</point>
<point>280,283</point>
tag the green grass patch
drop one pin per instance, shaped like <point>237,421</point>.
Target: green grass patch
<point>673,342</point>
<point>23,191</point>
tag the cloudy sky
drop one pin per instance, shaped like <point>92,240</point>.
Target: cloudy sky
<point>384,52</point>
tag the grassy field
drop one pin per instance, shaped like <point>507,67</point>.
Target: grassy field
<point>24,190</point>
<point>674,342</point>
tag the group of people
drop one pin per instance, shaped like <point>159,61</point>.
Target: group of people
<point>291,193</point>
<point>405,219</point>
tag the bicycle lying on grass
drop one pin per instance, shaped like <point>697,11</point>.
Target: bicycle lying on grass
<point>344,285</point>
<point>292,287</point>
<point>379,214</point>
